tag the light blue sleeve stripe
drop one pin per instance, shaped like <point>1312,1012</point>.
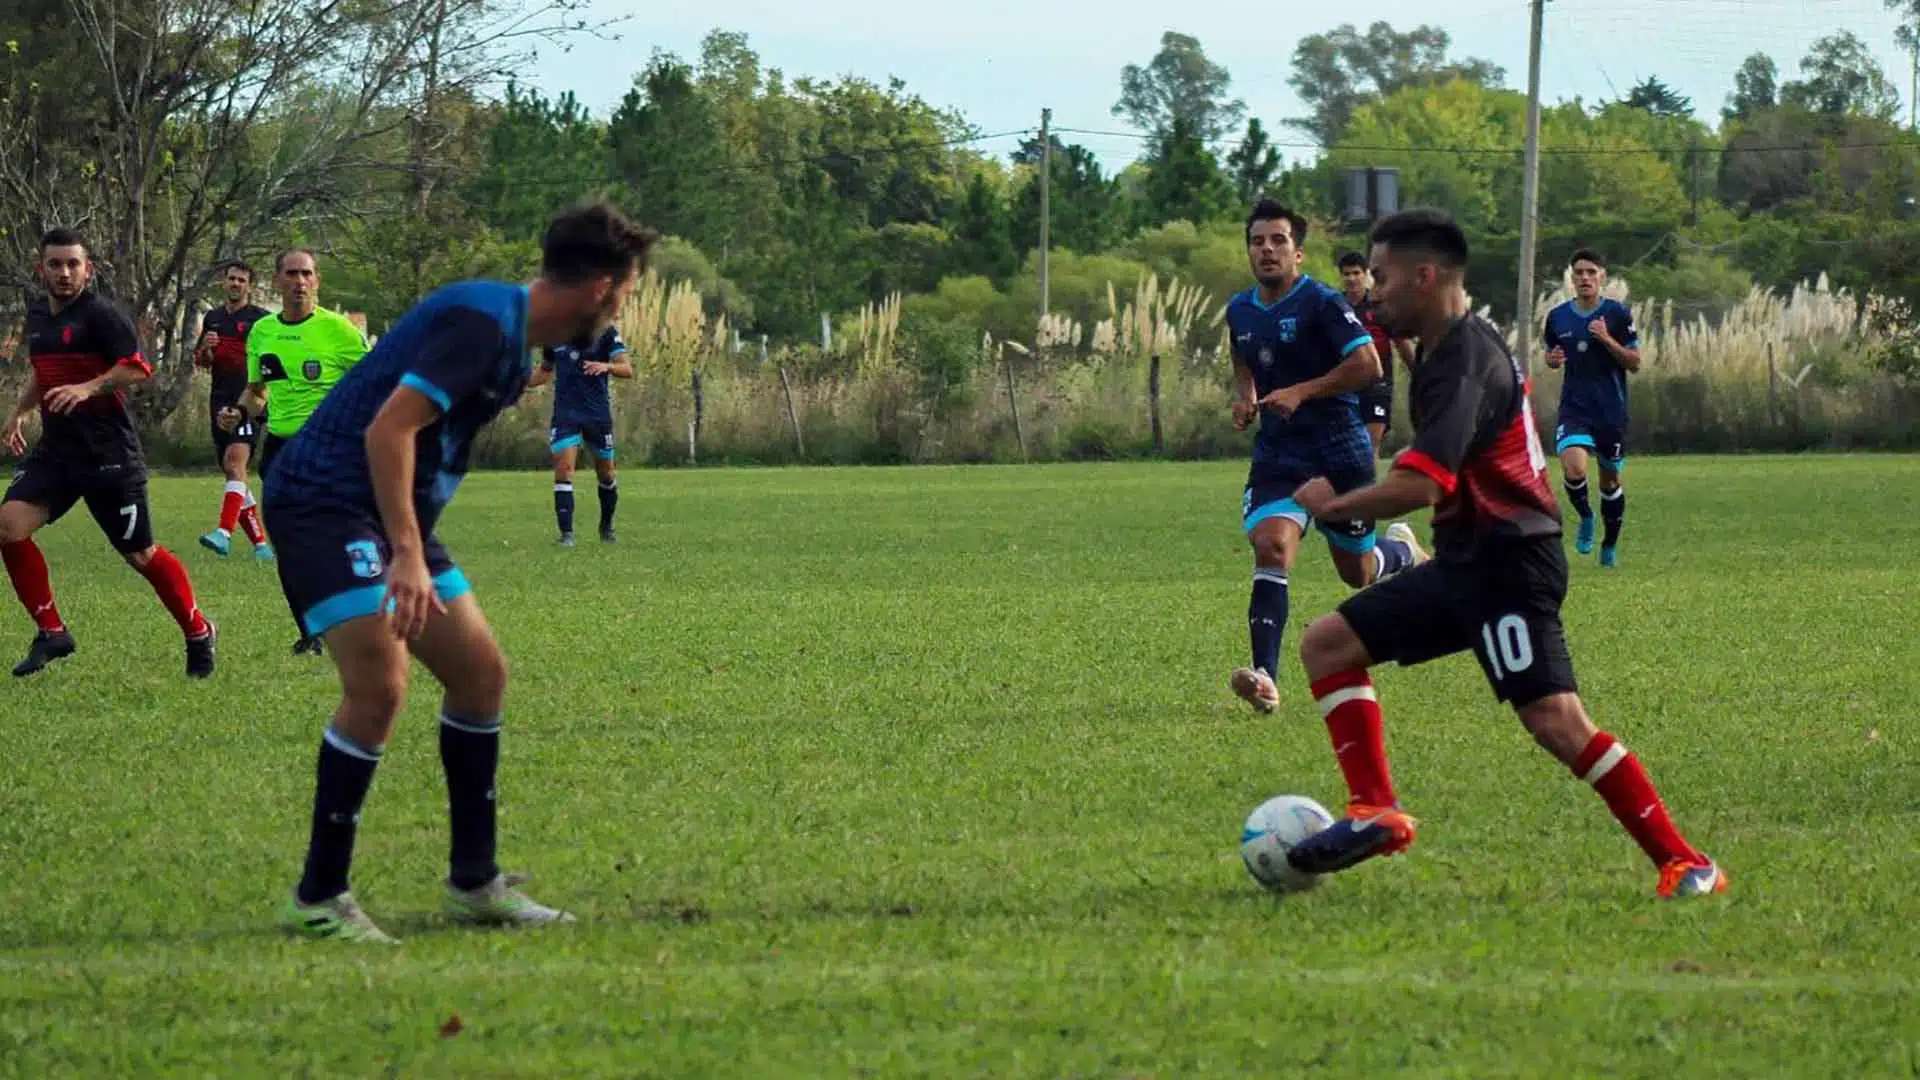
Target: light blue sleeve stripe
<point>438,395</point>
<point>1363,339</point>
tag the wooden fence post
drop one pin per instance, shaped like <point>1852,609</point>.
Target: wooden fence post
<point>693,426</point>
<point>793,417</point>
<point>1153,404</point>
<point>1013,403</point>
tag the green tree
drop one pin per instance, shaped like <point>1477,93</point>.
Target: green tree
<point>1085,205</point>
<point>1254,163</point>
<point>665,144</point>
<point>983,241</point>
<point>1179,90</point>
<point>1184,180</point>
<point>1337,72</point>
<point>1658,98</point>
<point>1841,77</point>
<point>1756,88</point>
<point>539,153</point>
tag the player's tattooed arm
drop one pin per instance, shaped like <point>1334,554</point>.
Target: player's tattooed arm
<point>1359,370</point>
<point>65,399</point>
<point>29,400</point>
<point>1401,491</point>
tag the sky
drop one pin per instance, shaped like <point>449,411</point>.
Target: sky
<point>1000,61</point>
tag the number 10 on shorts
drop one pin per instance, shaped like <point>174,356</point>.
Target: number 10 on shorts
<point>1508,648</point>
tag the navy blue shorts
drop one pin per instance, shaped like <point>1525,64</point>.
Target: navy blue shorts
<point>595,435</point>
<point>1603,439</point>
<point>1269,494</point>
<point>333,565</point>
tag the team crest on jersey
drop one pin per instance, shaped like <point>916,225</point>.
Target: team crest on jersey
<point>310,370</point>
<point>66,335</point>
<point>1289,329</point>
<point>1266,356</point>
<point>363,558</point>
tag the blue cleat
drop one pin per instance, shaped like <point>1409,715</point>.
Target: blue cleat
<point>1365,832</point>
<point>216,542</point>
<point>1609,557</point>
<point>263,552</point>
<point>1583,543</point>
<point>1682,879</point>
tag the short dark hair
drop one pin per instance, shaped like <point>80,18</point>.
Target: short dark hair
<point>1353,258</point>
<point>1587,255</point>
<point>1270,210</point>
<point>594,239</point>
<point>280,260</point>
<point>1429,232</point>
<point>237,264</point>
<point>60,237</point>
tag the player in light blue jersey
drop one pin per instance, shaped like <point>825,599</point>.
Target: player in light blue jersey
<point>1593,340</point>
<point>354,499</point>
<point>1301,357</point>
<point>583,417</point>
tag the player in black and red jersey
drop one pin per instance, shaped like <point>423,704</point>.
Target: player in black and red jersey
<point>1376,401</point>
<point>84,355</point>
<point>1494,585</point>
<point>223,351</point>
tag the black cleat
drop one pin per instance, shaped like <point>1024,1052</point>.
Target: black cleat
<point>47,647</point>
<point>607,535</point>
<point>200,653</point>
<point>309,645</point>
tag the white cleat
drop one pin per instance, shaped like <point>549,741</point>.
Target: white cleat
<point>341,919</point>
<point>501,903</point>
<point>1404,533</point>
<point>1256,688</point>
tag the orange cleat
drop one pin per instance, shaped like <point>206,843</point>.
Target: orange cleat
<point>1365,832</point>
<point>1682,879</point>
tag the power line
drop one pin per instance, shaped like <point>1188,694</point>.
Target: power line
<point>1908,141</point>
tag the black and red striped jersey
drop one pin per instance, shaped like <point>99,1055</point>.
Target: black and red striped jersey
<point>82,341</point>
<point>229,364</point>
<point>1473,434</point>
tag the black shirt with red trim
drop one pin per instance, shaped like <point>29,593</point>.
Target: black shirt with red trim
<point>1473,434</point>
<point>1382,341</point>
<point>82,341</point>
<point>229,365</point>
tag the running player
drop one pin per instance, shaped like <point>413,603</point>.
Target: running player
<point>293,359</point>
<point>1300,357</point>
<point>1495,583</point>
<point>84,354</point>
<point>1594,340</point>
<point>1376,401</point>
<point>223,350</point>
<point>354,502</point>
<point>583,415</point>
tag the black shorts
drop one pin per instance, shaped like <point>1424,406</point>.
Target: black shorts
<point>595,435</point>
<point>1269,494</point>
<point>1504,605</point>
<point>333,565</point>
<point>1376,404</point>
<point>247,431</point>
<point>116,496</point>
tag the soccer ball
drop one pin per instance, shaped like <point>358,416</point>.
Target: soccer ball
<point>1271,831</point>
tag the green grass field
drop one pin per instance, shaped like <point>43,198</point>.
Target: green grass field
<point>934,771</point>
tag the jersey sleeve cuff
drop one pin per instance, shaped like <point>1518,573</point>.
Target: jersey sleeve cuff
<point>1429,468</point>
<point>137,362</point>
<point>1363,339</point>
<point>435,394</point>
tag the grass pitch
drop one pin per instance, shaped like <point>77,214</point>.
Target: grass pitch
<point>934,771</point>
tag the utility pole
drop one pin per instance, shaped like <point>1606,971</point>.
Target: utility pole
<point>1046,200</point>
<point>1529,191</point>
